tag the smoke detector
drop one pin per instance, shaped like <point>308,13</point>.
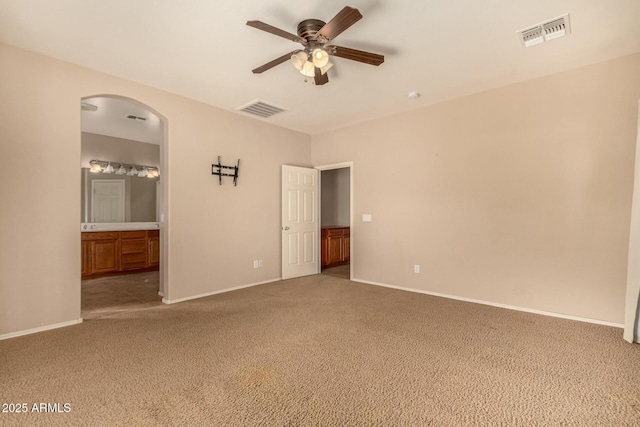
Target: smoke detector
<point>545,31</point>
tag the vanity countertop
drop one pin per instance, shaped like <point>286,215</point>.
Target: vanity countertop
<point>118,226</point>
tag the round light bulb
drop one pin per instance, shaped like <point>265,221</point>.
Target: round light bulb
<point>320,57</point>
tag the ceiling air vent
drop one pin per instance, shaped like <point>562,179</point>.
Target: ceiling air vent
<point>261,109</point>
<point>556,28</point>
<point>545,31</point>
<point>532,36</point>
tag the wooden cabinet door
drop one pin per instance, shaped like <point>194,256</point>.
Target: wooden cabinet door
<point>335,249</point>
<point>324,248</point>
<point>86,258</point>
<point>154,251</point>
<point>346,247</point>
<point>335,246</point>
<point>104,257</point>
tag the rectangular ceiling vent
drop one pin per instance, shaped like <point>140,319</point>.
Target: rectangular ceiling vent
<point>261,109</point>
<point>545,31</point>
<point>132,117</point>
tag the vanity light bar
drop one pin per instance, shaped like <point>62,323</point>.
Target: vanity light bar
<point>103,166</point>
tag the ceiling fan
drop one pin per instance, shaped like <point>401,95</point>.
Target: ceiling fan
<point>314,35</point>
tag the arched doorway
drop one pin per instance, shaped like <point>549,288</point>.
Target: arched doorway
<point>124,204</point>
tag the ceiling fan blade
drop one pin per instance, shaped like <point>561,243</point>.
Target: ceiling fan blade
<point>277,61</point>
<point>355,55</point>
<point>320,78</point>
<point>276,31</point>
<point>343,20</point>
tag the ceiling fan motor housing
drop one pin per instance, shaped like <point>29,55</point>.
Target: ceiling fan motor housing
<point>308,28</point>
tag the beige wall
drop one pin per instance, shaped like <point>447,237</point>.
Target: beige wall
<point>518,196</point>
<point>214,233</point>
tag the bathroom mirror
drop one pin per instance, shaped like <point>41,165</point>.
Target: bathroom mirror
<point>114,198</point>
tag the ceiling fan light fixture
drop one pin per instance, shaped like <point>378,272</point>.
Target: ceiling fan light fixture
<point>326,68</point>
<point>313,34</point>
<point>298,60</point>
<point>320,57</point>
<point>308,70</point>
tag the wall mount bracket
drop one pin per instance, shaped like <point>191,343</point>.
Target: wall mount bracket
<point>217,169</point>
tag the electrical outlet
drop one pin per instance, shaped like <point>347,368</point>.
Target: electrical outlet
<point>256,264</point>
<point>416,268</point>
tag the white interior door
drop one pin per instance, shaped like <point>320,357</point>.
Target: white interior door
<point>299,222</point>
<point>107,200</point>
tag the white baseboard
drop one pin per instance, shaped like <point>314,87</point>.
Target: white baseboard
<point>208,294</point>
<point>40,329</point>
<point>495,304</point>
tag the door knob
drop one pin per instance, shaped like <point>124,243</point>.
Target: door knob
<point>285,228</point>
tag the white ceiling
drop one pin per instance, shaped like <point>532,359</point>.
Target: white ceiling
<point>203,50</point>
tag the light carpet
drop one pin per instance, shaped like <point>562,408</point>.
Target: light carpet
<point>324,351</point>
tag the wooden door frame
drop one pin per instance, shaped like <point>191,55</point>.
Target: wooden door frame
<point>328,167</point>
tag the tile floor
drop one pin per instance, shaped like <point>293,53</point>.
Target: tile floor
<point>109,295</point>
